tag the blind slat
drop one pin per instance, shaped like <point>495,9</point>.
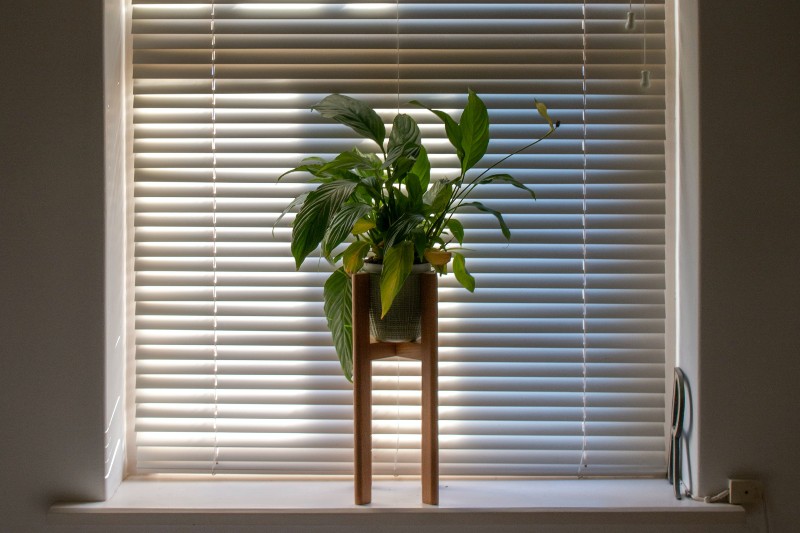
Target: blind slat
<point>554,366</point>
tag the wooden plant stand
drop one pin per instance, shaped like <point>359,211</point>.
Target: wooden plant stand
<point>365,351</point>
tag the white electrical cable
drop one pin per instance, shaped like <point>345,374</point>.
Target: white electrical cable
<point>722,497</point>
<point>766,512</point>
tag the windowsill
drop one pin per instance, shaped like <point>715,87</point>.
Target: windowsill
<point>304,503</point>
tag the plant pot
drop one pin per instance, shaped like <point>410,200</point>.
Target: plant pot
<point>402,322</point>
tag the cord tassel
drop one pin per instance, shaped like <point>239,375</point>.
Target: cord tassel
<point>645,79</point>
<point>630,22</point>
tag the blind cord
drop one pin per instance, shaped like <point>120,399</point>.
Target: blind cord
<point>397,45</point>
<point>215,461</point>
<point>397,391</point>
<point>645,81</point>
<point>583,459</point>
<point>630,19</point>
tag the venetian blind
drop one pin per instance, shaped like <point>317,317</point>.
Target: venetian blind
<point>554,366</point>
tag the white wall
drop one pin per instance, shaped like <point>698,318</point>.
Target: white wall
<point>749,248</point>
<point>52,268</point>
<point>52,301</point>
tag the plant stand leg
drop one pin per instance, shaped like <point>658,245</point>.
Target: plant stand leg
<point>364,352</point>
<point>430,390</point>
<point>362,391</point>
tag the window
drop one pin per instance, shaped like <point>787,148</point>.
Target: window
<point>554,366</point>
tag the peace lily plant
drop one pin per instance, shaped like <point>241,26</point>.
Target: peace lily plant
<point>388,208</point>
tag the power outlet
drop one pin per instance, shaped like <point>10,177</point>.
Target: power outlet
<point>744,491</point>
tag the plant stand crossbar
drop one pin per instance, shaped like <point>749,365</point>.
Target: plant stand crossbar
<point>364,352</point>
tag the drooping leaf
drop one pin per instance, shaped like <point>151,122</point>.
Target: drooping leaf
<point>401,227</point>
<point>294,203</point>
<point>354,114</point>
<point>457,229</point>
<point>341,225</point>
<point>451,128</point>
<point>309,164</point>
<point>437,258</point>
<point>509,179</point>
<point>353,256</point>
<point>338,296</point>
<point>397,263</point>
<point>474,126</point>
<point>460,270</point>
<point>480,207</point>
<point>312,220</point>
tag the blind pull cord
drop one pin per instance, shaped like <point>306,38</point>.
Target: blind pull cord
<point>397,392</point>
<point>645,81</point>
<point>215,461</point>
<point>630,21</point>
<point>583,463</point>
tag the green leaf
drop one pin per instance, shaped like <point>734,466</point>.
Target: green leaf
<point>422,168</point>
<point>397,262</point>
<point>294,203</point>
<point>509,179</point>
<point>451,128</point>
<point>401,227</point>
<point>312,220</point>
<point>415,191</point>
<point>456,229</point>
<point>480,207</point>
<point>369,189</point>
<point>460,270</point>
<point>420,241</point>
<point>474,128</point>
<point>403,141</point>
<point>353,256</point>
<point>341,225</point>
<point>338,296</point>
<point>442,192</point>
<point>354,114</point>
<point>310,164</point>
<point>352,159</point>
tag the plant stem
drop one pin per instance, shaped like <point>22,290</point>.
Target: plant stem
<point>461,196</point>
<point>474,182</point>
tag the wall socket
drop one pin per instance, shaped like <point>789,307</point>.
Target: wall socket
<point>743,491</point>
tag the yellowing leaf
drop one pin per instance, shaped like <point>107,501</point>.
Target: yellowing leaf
<point>460,270</point>
<point>437,258</point>
<point>363,226</point>
<point>542,109</point>
<point>397,264</point>
<point>353,256</point>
